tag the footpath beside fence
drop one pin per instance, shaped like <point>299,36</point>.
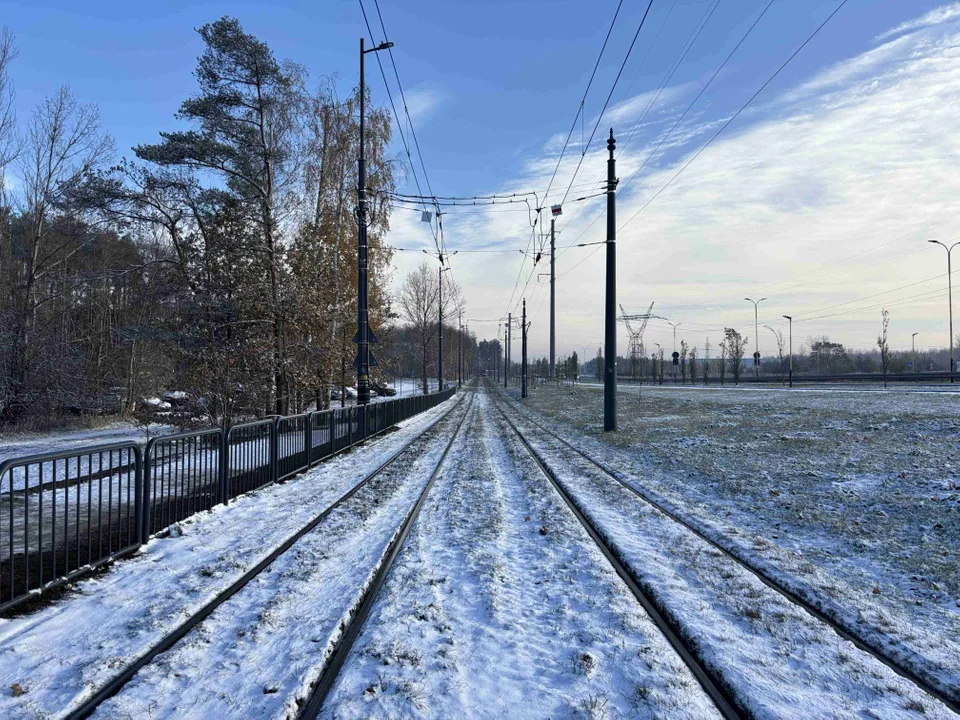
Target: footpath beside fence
<point>62,514</point>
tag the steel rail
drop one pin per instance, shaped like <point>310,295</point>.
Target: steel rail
<point>714,687</point>
<point>325,683</point>
<point>863,645</point>
<point>117,683</point>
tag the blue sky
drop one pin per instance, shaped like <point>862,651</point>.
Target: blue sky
<point>814,172</point>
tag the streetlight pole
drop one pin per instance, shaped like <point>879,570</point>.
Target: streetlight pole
<point>365,336</point>
<point>460,352</point>
<point>949,299</point>
<point>756,333</point>
<point>913,350</point>
<point>788,317</point>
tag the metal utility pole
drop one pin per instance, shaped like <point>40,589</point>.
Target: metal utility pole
<point>506,356</point>
<point>440,273</point>
<point>913,349</point>
<point>788,317</point>
<point>523,351</point>
<point>610,316</point>
<point>460,352</point>
<point>365,336</point>
<point>553,298</point>
<point>953,367</point>
<point>756,333</point>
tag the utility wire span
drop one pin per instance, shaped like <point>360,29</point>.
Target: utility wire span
<point>678,61</point>
<point>734,116</point>
<point>671,71</point>
<point>403,98</point>
<point>664,138</point>
<point>580,109</point>
<point>396,117</point>
<point>616,80</point>
<point>583,100</point>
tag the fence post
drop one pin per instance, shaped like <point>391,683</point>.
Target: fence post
<point>307,439</point>
<point>274,449</point>
<point>142,494</point>
<point>225,466</point>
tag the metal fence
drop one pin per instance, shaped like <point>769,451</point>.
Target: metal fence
<point>65,513</point>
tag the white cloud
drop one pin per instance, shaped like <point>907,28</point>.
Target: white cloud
<point>421,102</point>
<point>940,15</point>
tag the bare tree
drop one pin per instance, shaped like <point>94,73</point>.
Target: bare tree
<point>683,362</point>
<point>420,304</point>
<point>722,366</point>
<point>419,300</point>
<point>64,142</point>
<point>9,144</point>
<point>692,360</point>
<point>778,336</point>
<point>883,344</point>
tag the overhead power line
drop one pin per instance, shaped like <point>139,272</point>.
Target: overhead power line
<point>583,100</point>
<point>733,117</point>
<point>666,79</point>
<point>613,87</point>
<point>396,116</point>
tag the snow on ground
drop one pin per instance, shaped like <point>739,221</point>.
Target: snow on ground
<point>259,653</point>
<point>60,654</point>
<point>773,655</point>
<point>500,605</point>
<point>12,446</point>
<point>850,499</point>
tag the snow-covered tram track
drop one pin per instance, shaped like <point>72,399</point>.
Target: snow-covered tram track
<point>321,687</point>
<point>501,605</point>
<point>414,448</point>
<point>714,687</point>
<point>592,504</point>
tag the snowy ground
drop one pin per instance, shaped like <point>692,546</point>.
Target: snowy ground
<point>851,497</point>
<point>36,443</point>
<point>773,656</point>
<point>59,655</point>
<point>500,605</point>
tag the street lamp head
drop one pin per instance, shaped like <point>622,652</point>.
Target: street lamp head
<point>788,317</point>
<point>381,46</point>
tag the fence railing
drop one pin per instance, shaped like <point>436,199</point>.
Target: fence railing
<point>65,513</point>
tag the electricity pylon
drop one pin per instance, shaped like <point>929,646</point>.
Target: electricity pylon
<point>636,335</point>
